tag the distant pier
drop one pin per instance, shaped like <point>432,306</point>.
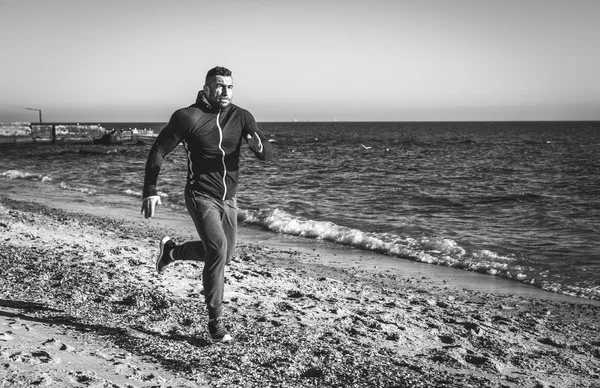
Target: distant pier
<point>26,132</point>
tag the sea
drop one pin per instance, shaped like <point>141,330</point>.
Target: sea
<point>517,200</point>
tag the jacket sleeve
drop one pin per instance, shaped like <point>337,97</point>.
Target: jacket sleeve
<point>264,149</point>
<point>168,138</point>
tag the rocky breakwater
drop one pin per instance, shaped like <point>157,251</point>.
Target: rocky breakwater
<point>24,132</point>
<point>78,132</point>
<point>15,132</point>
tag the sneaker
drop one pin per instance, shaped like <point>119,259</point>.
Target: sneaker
<point>218,332</point>
<point>164,259</point>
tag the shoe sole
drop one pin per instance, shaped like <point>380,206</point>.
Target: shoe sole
<point>163,242</point>
<point>226,338</point>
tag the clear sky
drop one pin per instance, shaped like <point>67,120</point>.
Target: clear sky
<point>320,60</point>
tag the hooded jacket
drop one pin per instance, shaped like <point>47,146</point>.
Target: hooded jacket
<point>212,139</point>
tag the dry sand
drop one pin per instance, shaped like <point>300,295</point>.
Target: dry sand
<point>81,306</point>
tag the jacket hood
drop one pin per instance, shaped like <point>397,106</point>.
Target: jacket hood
<point>202,101</point>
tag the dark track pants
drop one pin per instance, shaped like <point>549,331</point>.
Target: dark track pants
<point>216,224</point>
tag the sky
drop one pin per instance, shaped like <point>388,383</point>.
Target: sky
<point>305,60</point>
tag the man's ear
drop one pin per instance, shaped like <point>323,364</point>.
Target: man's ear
<point>206,89</point>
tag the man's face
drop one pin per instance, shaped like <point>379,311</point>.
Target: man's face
<point>219,91</point>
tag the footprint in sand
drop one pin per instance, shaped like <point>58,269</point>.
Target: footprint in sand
<point>446,339</point>
<point>56,344</point>
<point>34,358</point>
<point>6,336</point>
<point>86,377</point>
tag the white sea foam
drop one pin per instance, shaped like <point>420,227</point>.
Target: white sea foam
<point>84,190</point>
<point>493,256</point>
<point>16,174</point>
<point>133,193</point>
<point>442,245</point>
<point>429,250</point>
<point>138,194</point>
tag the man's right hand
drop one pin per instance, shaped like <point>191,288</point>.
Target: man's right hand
<point>149,205</point>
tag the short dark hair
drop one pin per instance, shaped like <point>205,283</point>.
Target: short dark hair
<point>219,70</point>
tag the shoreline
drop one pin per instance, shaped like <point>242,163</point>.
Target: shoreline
<point>79,284</point>
<point>178,224</point>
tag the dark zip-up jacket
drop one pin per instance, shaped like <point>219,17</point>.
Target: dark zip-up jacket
<point>212,139</point>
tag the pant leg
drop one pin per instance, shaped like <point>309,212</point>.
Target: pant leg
<point>194,250</point>
<point>191,250</point>
<point>230,226</point>
<point>216,224</point>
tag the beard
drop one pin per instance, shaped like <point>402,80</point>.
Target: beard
<point>219,102</point>
<point>223,103</point>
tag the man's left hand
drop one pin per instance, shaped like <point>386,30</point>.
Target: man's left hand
<point>254,142</point>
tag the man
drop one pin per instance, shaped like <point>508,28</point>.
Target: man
<point>211,131</point>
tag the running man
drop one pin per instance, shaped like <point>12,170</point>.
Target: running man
<point>211,131</point>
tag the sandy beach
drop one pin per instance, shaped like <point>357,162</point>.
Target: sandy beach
<point>82,306</point>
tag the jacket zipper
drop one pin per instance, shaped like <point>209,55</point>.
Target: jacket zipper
<point>223,152</point>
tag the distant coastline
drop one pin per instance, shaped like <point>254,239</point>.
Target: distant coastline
<point>88,132</point>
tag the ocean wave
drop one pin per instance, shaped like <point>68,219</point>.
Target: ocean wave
<point>84,190</point>
<point>16,174</point>
<point>432,250</point>
<point>425,249</point>
<point>132,193</point>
